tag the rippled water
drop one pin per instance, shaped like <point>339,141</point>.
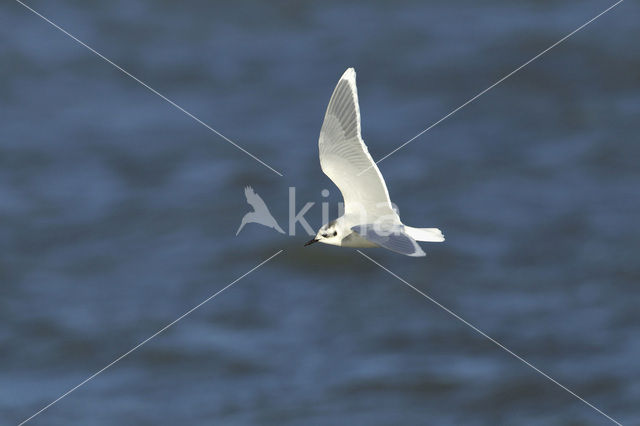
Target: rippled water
<point>118,213</point>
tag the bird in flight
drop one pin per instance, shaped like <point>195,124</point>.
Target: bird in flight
<point>369,219</point>
<point>260,213</point>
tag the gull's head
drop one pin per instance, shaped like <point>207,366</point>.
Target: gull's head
<point>328,234</point>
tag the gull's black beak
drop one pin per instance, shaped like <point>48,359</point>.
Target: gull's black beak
<point>311,241</point>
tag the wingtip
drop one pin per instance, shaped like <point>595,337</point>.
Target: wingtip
<point>420,253</point>
<point>349,74</point>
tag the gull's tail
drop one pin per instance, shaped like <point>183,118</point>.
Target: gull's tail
<point>433,235</point>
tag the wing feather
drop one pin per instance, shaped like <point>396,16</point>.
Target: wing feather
<point>391,237</point>
<point>344,157</point>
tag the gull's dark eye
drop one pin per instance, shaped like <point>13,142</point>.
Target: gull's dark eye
<point>325,235</point>
<point>335,233</point>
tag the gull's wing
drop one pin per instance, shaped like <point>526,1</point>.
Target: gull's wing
<point>345,158</point>
<point>392,237</point>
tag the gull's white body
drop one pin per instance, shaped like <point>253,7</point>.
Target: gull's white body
<point>369,219</point>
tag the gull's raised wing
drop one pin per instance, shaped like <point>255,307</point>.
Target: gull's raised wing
<point>345,158</point>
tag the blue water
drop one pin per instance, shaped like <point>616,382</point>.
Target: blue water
<point>118,214</point>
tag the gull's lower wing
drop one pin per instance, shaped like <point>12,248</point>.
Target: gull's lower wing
<point>344,156</point>
<point>393,238</point>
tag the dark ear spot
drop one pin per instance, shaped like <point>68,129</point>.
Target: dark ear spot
<point>335,233</point>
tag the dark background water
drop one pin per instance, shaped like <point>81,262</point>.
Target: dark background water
<point>118,213</point>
